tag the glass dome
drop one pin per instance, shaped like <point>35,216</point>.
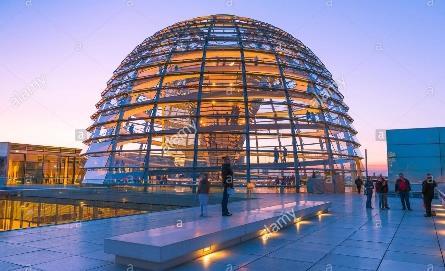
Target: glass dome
<point>218,86</point>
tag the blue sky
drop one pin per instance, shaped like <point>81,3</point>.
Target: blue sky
<point>386,56</point>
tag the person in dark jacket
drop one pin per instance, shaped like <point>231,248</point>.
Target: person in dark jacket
<point>381,188</point>
<point>384,191</point>
<point>227,179</point>
<point>403,187</point>
<point>359,183</point>
<point>283,159</point>
<point>428,186</point>
<point>369,187</point>
<point>378,191</point>
<point>276,155</point>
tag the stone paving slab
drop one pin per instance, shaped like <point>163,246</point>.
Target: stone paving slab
<point>351,238</point>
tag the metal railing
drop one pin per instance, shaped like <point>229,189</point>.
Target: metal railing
<point>440,195</point>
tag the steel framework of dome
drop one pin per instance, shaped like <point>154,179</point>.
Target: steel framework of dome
<point>218,86</point>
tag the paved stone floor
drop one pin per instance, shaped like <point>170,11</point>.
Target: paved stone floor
<point>348,238</point>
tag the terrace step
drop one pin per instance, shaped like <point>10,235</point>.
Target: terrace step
<point>169,246</point>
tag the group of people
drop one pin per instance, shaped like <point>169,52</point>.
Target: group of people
<point>402,188</point>
<point>276,155</point>
<point>284,180</point>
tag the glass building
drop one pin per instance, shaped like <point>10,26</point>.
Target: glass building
<point>36,164</point>
<point>416,152</point>
<point>218,86</point>
<point>24,213</point>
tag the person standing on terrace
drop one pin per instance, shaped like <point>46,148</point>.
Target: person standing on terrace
<point>403,187</point>
<point>227,179</point>
<point>428,186</point>
<point>381,188</point>
<point>359,183</point>
<point>384,192</point>
<point>369,187</point>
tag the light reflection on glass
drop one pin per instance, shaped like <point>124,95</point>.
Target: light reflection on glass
<point>18,214</point>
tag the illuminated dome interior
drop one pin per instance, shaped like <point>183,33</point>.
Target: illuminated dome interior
<point>218,86</point>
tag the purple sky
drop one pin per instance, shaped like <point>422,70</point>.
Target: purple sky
<point>387,58</point>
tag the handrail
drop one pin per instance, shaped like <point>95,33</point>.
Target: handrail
<point>441,195</point>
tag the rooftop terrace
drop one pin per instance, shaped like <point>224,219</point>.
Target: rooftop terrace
<point>347,238</point>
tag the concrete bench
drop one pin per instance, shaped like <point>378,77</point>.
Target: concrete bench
<point>169,246</point>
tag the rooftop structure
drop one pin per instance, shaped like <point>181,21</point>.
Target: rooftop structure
<point>37,164</point>
<point>416,152</point>
<point>218,86</point>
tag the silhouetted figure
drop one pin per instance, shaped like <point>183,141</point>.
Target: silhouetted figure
<point>255,60</point>
<point>276,155</point>
<point>358,184</point>
<point>369,187</point>
<point>131,129</point>
<point>308,116</point>
<point>227,118</point>
<point>283,160</point>
<point>428,186</point>
<point>227,179</point>
<point>234,115</point>
<point>164,179</point>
